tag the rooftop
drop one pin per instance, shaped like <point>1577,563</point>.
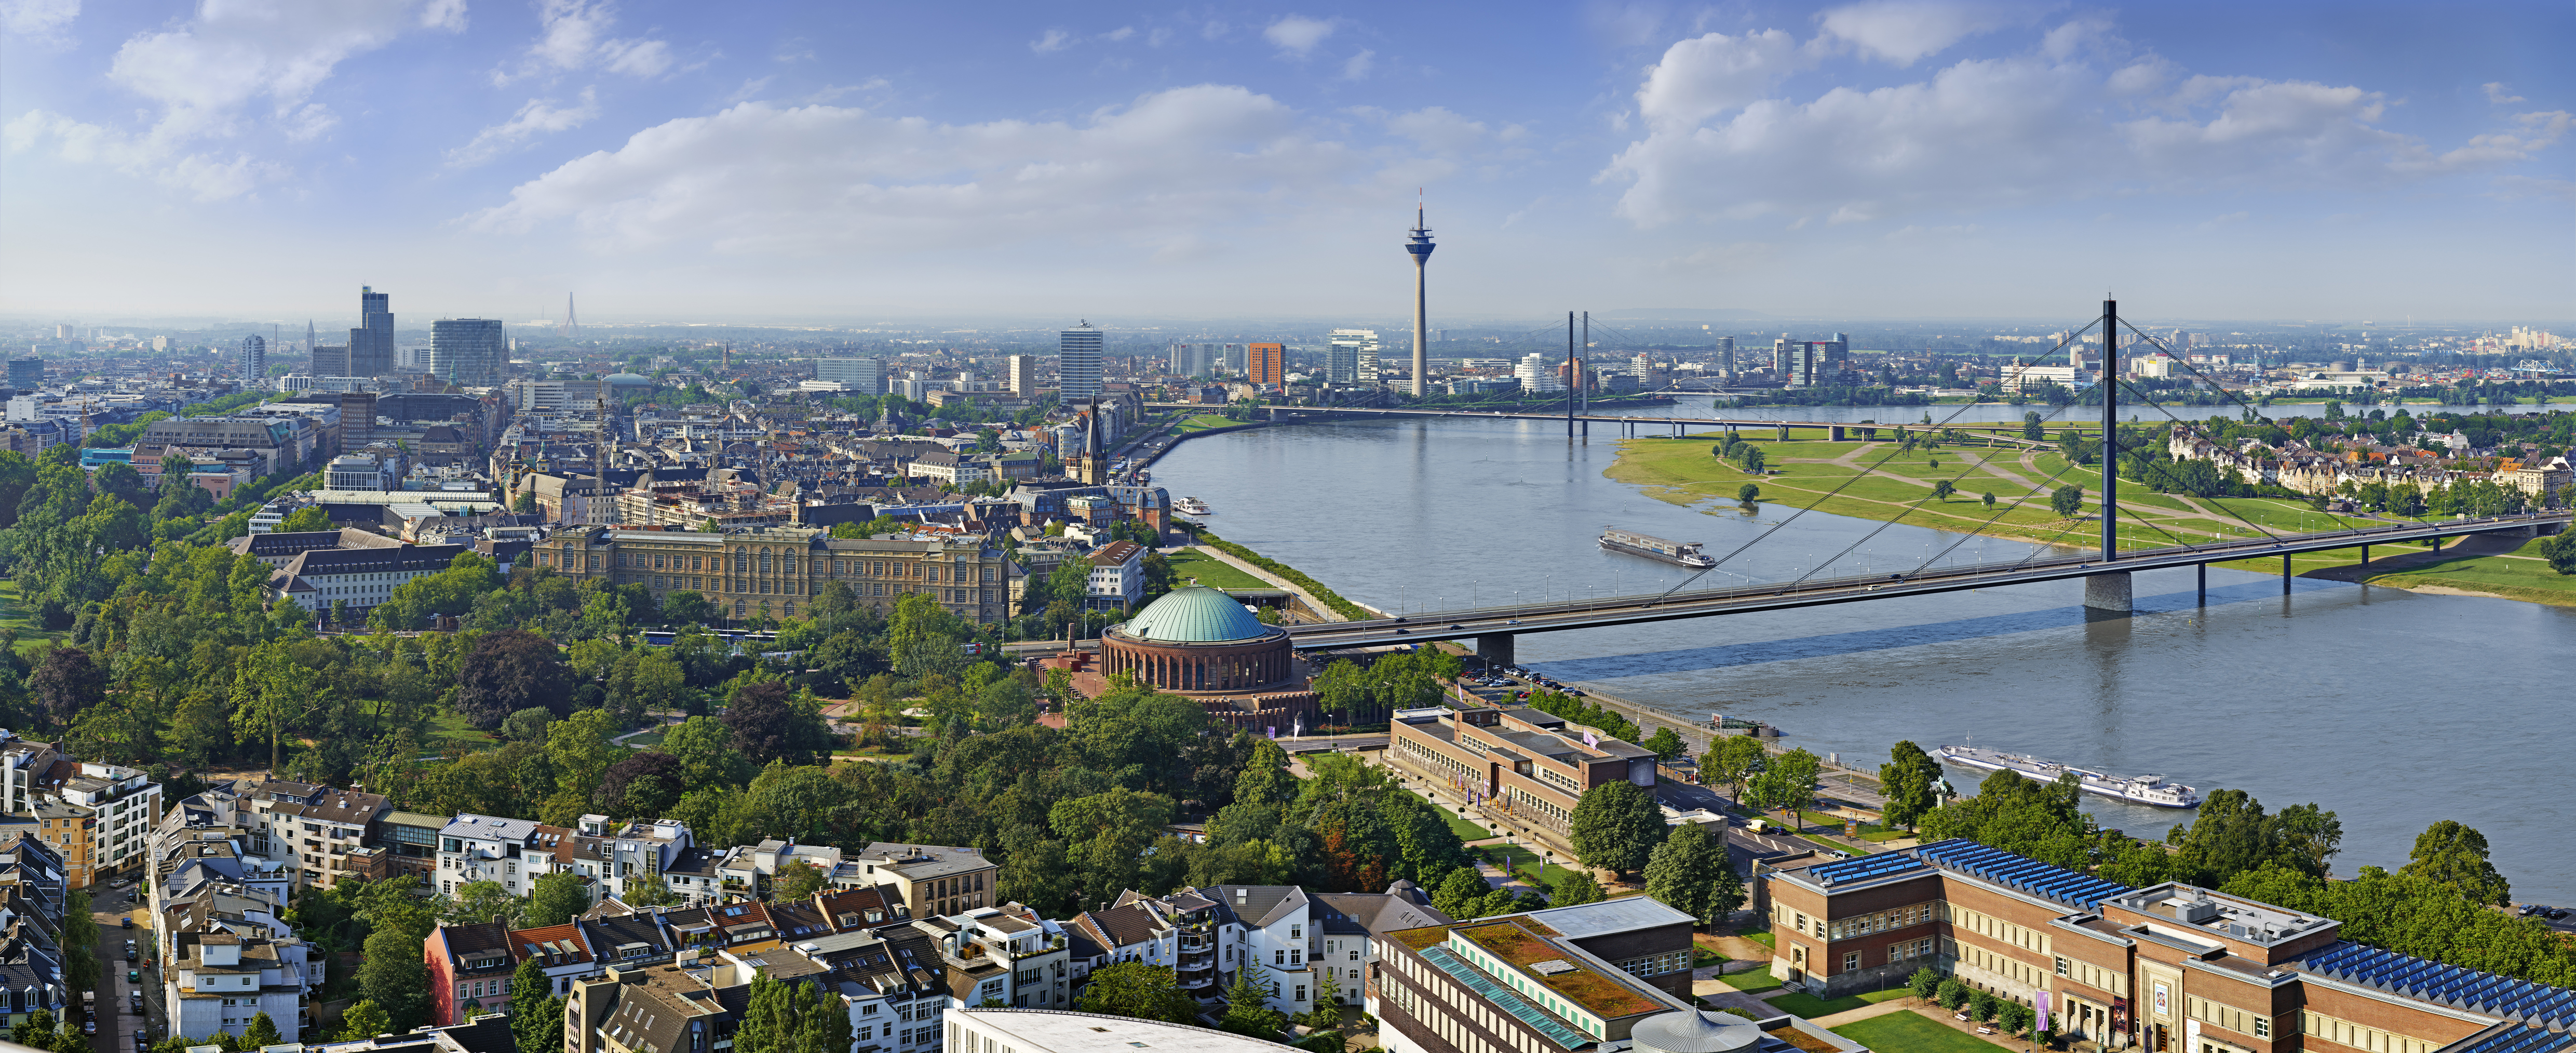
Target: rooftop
<point>1063,1032</point>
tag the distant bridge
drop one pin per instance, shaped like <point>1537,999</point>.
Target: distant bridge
<point>1494,628</point>
<point>2008,434</point>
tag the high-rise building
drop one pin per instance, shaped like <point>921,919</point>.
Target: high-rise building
<point>1266,364</point>
<point>865,376</point>
<point>1344,354</point>
<point>1020,375</point>
<point>467,352</point>
<point>371,344</point>
<point>1726,355</point>
<point>1206,360</point>
<point>330,361</point>
<point>1536,374</point>
<point>254,360</point>
<point>27,374</point>
<point>1078,361</point>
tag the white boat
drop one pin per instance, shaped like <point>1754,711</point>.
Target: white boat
<point>1191,506</point>
<point>2143,789</point>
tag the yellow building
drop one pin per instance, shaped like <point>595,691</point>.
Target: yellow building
<point>769,572</point>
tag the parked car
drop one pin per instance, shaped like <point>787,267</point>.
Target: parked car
<point>131,954</point>
<point>141,1044</point>
<point>126,922</point>
<point>89,1026</point>
<point>134,976</point>
<point>135,999</point>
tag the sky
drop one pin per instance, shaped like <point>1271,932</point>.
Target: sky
<point>751,162</point>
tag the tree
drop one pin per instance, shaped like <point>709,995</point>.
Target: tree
<point>797,880</point>
<point>1789,782</point>
<point>1616,826</point>
<point>261,1033</point>
<point>1690,872</point>
<point>2066,500</point>
<point>364,1021</point>
<point>555,899</point>
<point>509,671</point>
<point>688,608</point>
<point>1457,894</point>
<point>1247,1005</point>
<point>482,901</point>
<point>1730,760</point>
<point>66,682</point>
<point>2561,551</point>
<point>1146,992</point>
<point>641,785</point>
<point>1748,493</point>
<point>1941,490</point>
<point>1907,780</point>
<point>305,520</point>
<point>2456,855</point>
<point>394,977</point>
<point>1575,886</point>
<point>2030,428</point>
<point>768,724</point>
<point>1666,743</point>
<point>526,725</point>
<point>1987,499</point>
<point>1925,983</point>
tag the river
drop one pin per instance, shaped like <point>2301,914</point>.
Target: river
<point>2393,709</point>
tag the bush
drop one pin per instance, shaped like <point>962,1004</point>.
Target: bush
<point>1925,983</point>
<point>1983,1006</point>
<point>2014,1017</point>
<point>1953,993</point>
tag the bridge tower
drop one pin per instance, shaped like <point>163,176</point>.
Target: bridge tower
<point>2110,591</point>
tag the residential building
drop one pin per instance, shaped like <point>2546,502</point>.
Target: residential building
<point>1524,767</point>
<point>861,376</point>
<point>469,970</point>
<point>1273,927</point>
<point>1354,923</point>
<point>772,570</point>
<point>745,871</point>
<point>1266,365</point>
<point>484,848</point>
<point>1047,1031</point>
<point>1004,954</point>
<point>1020,375</point>
<point>122,806</point>
<point>930,879</point>
<point>894,981</point>
<point>222,980</point>
<point>1565,978</point>
<point>1079,351</point>
<point>252,361</point>
<point>679,1008</point>
<point>1117,576</point>
<point>657,852</point>
<point>468,352</point>
<point>315,828</point>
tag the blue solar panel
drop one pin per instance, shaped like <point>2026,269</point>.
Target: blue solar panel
<point>2523,1040</point>
<point>2042,879</point>
<point>2522,1001</point>
<point>1864,867</point>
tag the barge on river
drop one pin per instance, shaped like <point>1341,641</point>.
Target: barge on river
<point>2143,789</point>
<point>1681,553</point>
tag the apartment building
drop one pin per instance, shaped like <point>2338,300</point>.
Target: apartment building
<point>1005,955</point>
<point>768,571</point>
<point>2167,968</point>
<point>410,839</point>
<point>932,879</point>
<point>1117,576</point>
<point>1527,768</point>
<point>221,981</point>
<point>894,981</point>
<point>124,805</point>
<point>317,828</point>
<point>485,848</point>
<point>1354,924</point>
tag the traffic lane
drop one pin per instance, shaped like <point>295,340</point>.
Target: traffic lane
<point>117,1021</point>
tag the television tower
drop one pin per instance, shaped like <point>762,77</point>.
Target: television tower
<point>570,328</point>
<point>1420,247</point>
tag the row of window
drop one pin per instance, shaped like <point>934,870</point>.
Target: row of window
<point>1899,918</point>
<point>2351,1034</point>
<point>2228,1016</point>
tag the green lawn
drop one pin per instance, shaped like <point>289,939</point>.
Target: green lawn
<point>1811,1007</point>
<point>2528,579</point>
<point>1912,1033</point>
<point>17,617</point>
<point>1754,982</point>
<point>1212,572</point>
<point>1204,421</point>
<point>1702,958</point>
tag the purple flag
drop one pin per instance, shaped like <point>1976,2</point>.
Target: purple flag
<point>1274,731</point>
<point>2042,1007</point>
<point>1591,740</point>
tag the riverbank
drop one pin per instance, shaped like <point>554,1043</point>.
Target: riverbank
<point>1901,486</point>
<point>1291,577</point>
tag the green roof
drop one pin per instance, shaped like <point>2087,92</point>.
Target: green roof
<point>1195,614</point>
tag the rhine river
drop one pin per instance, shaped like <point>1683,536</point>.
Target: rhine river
<point>2393,709</point>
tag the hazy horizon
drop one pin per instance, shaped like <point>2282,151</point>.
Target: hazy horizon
<point>1880,161</point>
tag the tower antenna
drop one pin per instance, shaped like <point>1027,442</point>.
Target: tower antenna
<point>1420,248</point>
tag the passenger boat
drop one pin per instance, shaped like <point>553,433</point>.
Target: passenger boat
<point>1683,553</point>
<point>1191,506</point>
<point>2143,789</point>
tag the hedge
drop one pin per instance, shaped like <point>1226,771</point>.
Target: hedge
<point>1314,588</point>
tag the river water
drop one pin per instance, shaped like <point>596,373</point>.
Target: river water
<point>2393,709</point>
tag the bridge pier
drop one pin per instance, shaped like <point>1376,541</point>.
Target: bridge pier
<point>1495,649</point>
<point>2203,568</point>
<point>2285,574</point>
<point>2108,592</point>
<point>1837,435</point>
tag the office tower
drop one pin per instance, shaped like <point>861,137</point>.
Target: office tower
<point>865,376</point>
<point>1266,364</point>
<point>371,344</point>
<point>254,360</point>
<point>1726,355</point>
<point>357,419</point>
<point>63,331</point>
<point>1020,374</point>
<point>1077,368</point>
<point>1343,354</point>
<point>1536,375</point>
<point>467,352</point>
<point>27,374</point>
<point>1782,356</point>
<point>330,361</point>
<point>160,343</point>
<point>1420,249</point>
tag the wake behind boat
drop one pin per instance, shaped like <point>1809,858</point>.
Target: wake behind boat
<point>2144,789</point>
<point>1684,553</point>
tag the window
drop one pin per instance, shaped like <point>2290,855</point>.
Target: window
<point>1278,957</point>
<point>2262,1027</point>
<point>2061,967</point>
<point>1851,961</point>
<point>1301,993</point>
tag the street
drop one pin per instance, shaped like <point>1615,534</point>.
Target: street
<point>116,1020</point>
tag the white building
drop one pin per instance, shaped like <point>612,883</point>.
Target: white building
<point>220,981</point>
<point>865,376</point>
<point>1049,1031</point>
<point>1537,375</point>
<point>1117,576</point>
<point>484,848</point>
<point>126,804</point>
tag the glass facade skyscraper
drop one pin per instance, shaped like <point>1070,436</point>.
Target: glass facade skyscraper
<point>1078,363</point>
<point>371,344</point>
<point>467,352</point>
<point>254,361</point>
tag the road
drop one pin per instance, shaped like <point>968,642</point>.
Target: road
<point>116,1023</point>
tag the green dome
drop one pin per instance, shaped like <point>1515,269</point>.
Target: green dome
<point>1195,614</point>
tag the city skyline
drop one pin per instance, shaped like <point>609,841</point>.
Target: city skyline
<point>1869,160</point>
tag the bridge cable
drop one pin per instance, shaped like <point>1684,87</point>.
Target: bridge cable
<point>2160,408</point>
<point>1864,539</point>
<point>1846,484</point>
<point>2008,509</point>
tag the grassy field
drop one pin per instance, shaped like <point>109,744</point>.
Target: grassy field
<point>1754,982</point>
<point>1811,1007</point>
<point>1211,571</point>
<point>1913,1034</point>
<point>2522,574</point>
<point>16,616</point>
<point>1204,421</point>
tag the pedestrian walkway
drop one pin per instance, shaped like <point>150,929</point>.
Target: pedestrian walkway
<point>1834,1020</point>
<point>1229,559</point>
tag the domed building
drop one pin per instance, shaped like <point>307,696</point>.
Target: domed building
<point>1199,643</point>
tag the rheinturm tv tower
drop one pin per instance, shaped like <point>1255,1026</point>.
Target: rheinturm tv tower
<point>1421,248</point>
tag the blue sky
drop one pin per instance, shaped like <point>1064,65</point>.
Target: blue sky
<point>752,162</point>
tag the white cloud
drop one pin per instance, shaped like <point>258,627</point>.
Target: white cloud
<point>1054,40</point>
<point>230,71</point>
<point>1993,132</point>
<point>1298,34</point>
<point>574,35</point>
<point>2500,95</point>
<point>1715,73</point>
<point>1120,33</point>
<point>1902,31</point>
<point>538,117</point>
<point>42,21</point>
<point>1357,66</point>
<point>1434,128</point>
<point>812,180</point>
